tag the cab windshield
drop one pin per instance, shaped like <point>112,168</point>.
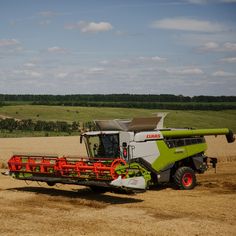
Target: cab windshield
<point>103,145</point>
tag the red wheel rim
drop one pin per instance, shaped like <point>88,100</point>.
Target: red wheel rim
<point>187,179</point>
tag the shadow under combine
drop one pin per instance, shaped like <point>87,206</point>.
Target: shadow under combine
<point>86,194</point>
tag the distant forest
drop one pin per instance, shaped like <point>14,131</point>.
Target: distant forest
<point>162,101</point>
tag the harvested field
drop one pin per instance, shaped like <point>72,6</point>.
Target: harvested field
<point>47,145</point>
<point>218,147</point>
<point>30,209</point>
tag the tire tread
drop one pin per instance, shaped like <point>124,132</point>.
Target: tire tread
<point>179,175</point>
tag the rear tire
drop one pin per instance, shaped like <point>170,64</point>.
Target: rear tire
<point>185,178</point>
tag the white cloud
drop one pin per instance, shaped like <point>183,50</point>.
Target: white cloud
<point>159,59</point>
<point>79,77</point>
<point>141,61</point>
<point>28,73</point>
<point>56,49</point>
<point>95,70</point>
<point>104,62</point>
<point>61,75</point>
<point>229,46</point>
<point>229,60</point>
<point>29,64</point>
<point>209,46</point>
<point>10,46</point>
<point>90,27</point>
<point>187,24</point>
<point>8,42</point>
<point>214,46</point>
<point>153,59</point>
<point>222,73</point>
<point>191,71</point>
<point>201,40</point>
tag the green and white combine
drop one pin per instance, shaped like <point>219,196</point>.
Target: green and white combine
<point>131,155</point>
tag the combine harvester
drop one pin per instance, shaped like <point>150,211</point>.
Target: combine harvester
<point>131,155</point>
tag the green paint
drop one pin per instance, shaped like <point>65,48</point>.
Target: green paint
<point>133,170</point>
<point>193,132</point>
<point>171,155</point>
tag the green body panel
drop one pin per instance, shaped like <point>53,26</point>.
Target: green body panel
<point>171,155</point>
<point>192,132</point>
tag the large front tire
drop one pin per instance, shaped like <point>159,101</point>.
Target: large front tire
<point>185,178</point>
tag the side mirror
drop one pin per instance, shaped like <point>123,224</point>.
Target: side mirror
<point>125,150</point>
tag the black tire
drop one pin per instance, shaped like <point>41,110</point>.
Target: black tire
<point>185,178</point>
<point>97,189</point>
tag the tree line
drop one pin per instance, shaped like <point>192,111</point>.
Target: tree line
<point>11,125</point>
<point>148,105</point>
<point>162,101</point>
<point>114,98</point>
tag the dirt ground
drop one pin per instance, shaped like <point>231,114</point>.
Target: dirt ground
<point>32,209</point>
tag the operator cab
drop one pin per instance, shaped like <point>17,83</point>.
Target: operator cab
<point>102,144</point>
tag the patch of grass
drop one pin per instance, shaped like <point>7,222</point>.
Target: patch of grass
<point>70,114</point>
<point>196,119</point>
<point>202,119</point>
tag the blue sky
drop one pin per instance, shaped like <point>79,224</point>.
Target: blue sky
<point>135,46</point>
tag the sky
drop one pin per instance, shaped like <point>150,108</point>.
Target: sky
<point>176,47</point>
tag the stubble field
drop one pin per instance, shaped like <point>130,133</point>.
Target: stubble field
<point>32,209</point>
